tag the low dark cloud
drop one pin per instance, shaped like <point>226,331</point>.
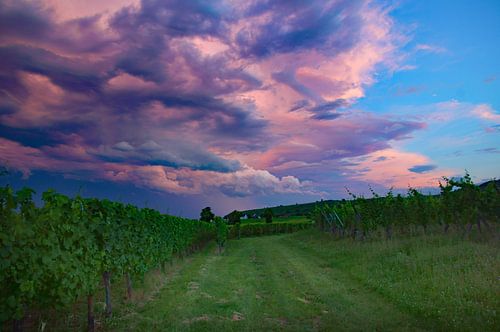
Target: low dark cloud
<point>33,137</point>
<point>381,158</point>
<point>422,168</point>
<point>171,154</point>
<point>326,116</point>
<point>69,74</point>
<point>326,111</point>
<point>329,106</point>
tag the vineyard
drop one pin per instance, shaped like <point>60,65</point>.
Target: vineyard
<point>67,249</point>
<point>461,204</point>
<point>259,229</point>
<point>71,249</point>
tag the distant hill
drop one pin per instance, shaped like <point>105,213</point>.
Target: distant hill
<point>289,210</point>
<point>484,185</point>
<point>306,208</point>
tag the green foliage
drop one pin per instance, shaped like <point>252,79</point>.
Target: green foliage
<point>206,214</point>
<point>258,229</point>
<point>461,203</point>
<point>289,210</point>
<point>234,217</point>
<point>268,215</point>
<point>221,231</point>
<point>52,255</point>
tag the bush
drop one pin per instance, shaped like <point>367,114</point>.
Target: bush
<point>258,229</point>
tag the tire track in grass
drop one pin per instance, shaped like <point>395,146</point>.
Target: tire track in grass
<point>280,308</point>
<point>266,284</point>
<point>210,293</point>
<point>230,283</point>
<point>344,304</point>
<point>248,292</point>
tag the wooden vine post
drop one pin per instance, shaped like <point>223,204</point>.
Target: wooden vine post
<point>90,314</point>
<point>107,291</point>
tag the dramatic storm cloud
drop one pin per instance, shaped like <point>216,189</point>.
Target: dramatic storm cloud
<point>224,98</point>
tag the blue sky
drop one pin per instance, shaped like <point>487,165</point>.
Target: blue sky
<point>461,66</point>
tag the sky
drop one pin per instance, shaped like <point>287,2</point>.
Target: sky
<point>178,105</point>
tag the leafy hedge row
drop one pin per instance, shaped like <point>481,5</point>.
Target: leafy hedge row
<point>52,255</point>
<point>257,229</point>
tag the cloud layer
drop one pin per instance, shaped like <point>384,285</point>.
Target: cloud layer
<point>238,97</point>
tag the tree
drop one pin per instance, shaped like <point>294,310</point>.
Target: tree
<point>234,217</point>
<point>268,214</point>
<point>206,214</point>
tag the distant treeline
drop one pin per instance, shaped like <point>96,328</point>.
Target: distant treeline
<point>306,209</point>
<point>288,210</point>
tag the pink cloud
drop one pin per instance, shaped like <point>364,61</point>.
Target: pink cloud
<point>430,48</point>
<point>45,103</point>
<point>69,10</point>
<point>126,81</point>
<point>392,168</point>
<point>448,111</point>
<point>486,112</point>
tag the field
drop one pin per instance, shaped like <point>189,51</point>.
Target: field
<point>289,210</point>
<point>292,219</point>
<point>307,281</point>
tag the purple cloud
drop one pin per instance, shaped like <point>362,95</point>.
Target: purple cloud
<point>301,25</point>
<point>171,154</point>
<point>34,22</point>
<point>194,96</point>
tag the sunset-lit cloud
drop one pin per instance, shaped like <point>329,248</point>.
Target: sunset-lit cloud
<point>237,98</point>
<point>398,169</point>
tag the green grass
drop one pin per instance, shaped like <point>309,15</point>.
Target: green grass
<point>308,281</point>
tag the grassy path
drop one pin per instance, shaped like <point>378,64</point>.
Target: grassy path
<point>265,283</point>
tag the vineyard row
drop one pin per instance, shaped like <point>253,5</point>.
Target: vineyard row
<point>68,248</point>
